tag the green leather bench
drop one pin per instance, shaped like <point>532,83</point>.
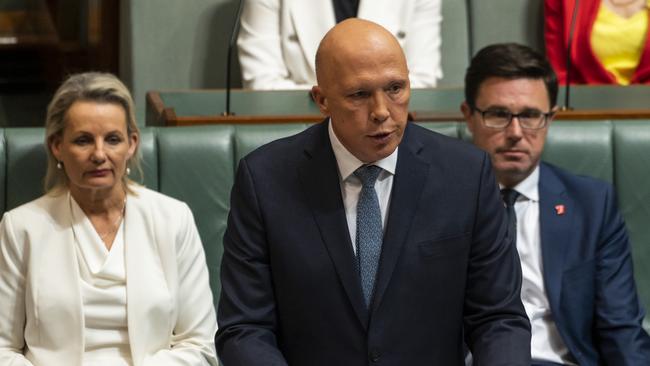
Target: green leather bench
<point>197,165</point>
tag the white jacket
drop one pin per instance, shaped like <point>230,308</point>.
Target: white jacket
<point>171,318</point>
<point>278,39</point>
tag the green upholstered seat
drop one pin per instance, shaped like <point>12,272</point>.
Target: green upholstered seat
<point>632,176</point>
<point>197,165</point>
<point>595,155</point>
<point>26,161</point>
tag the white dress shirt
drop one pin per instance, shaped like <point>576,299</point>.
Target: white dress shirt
<point>351,185</point>
<point>102,279</point>
<point>546,343</point>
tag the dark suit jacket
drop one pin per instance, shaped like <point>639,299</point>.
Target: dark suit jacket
<point>588,271</point>
<point>291,292</point>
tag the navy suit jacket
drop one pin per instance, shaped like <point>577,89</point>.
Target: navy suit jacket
<point>588,271</point>
<point>291,292</point>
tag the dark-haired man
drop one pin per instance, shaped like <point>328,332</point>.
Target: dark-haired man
<point>578,285</point>
<point>367,240</point>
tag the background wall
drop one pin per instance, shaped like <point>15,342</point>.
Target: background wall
<point>171,44</point>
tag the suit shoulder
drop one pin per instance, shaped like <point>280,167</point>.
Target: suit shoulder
<point>37,209</point>
<point>576,182</point>
<point>159,201</point>
<point>449,145</point>
<point>283,149</point>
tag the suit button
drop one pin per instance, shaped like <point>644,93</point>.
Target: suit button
<point>293,38</point>
<point>375,356</point>
<point>401,34</point>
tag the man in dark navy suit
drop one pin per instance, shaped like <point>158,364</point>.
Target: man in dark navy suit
<point>578,286</point>
<point>366,239</point>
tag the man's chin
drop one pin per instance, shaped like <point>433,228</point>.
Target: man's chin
<point>512,171</point>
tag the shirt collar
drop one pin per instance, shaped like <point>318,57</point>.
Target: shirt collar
<point>348,163</point>
<point>529,187</point>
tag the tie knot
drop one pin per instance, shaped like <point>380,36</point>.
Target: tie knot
<point>368,174</point>
<point>509,196</point>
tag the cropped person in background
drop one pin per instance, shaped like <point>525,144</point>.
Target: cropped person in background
<point>278,38</point>
<point>610,40</point>
<point>578,282</point>
<point>101,271</point>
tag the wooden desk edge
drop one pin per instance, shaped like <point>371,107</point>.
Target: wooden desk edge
<point>572,115</point>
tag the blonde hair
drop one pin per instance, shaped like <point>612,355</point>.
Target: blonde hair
<point>93,87</point>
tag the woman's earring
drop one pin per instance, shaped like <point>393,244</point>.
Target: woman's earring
<point>59,165</point>
<point>128,170</point>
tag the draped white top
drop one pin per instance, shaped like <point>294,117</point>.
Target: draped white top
<point>102,280</point>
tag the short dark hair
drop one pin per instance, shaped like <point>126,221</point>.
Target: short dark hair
<point>509,61</point>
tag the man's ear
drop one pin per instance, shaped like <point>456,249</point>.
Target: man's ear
<point>467,114</point>
<point>320,100</point>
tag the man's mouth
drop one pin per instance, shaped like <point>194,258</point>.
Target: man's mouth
<point>381,137</point>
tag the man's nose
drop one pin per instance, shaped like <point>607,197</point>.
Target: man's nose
<point>379,109</point>
<point>514,130</point>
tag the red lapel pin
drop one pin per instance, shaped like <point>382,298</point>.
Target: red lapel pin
<point>559,209</point>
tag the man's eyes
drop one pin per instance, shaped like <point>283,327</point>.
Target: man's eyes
<point>359,94</point>
<point>530,114</point>
<point>395,88</point>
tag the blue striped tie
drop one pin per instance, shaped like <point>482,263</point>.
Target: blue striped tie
<point>369,229</point>
<point>509,198</point>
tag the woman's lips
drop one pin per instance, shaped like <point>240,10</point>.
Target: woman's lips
<point>99,172</point>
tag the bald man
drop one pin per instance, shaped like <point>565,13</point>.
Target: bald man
<point>366,239</point>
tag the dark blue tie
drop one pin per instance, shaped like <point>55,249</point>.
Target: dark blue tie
<point>509,198</point>
<point>369,229</point>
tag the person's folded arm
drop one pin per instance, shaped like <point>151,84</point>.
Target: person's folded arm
<point>554,37</point>
<point>260,47</point>
<point>422,47</point>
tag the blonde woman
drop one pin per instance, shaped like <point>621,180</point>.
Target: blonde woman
<point>101,271</point>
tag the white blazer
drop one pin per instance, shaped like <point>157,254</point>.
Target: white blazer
<point>171,318</point>
<point>278,39</point>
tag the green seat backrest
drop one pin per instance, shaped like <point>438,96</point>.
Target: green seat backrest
<point>632,177</point>
<point>594,157</point>
<point>197,168</point>
<point>197,165</point>
<point>26,162</point>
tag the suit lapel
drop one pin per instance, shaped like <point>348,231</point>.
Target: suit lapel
<point>556,212</point>
<point>379,11</point>
<point>149,302</point>
<point>58,280</point>
<point>410,178</point>
<point>320,180</point>
<point>311,19</point>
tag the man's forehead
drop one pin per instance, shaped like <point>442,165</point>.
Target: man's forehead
<point>525,92</point>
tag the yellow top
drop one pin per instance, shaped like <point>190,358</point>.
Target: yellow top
<point>618,42</point>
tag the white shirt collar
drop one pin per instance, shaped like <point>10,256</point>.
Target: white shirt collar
<point>529,187</point>
<point>348,163</point>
